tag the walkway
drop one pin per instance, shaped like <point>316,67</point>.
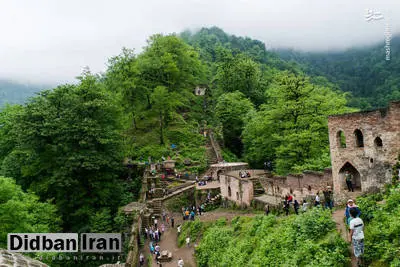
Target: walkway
<point>338,217</point>
<point>177,192</point>
<point>209,185</point>
<point>169,239</point>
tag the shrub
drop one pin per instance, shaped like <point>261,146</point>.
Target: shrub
<point>309,239</point>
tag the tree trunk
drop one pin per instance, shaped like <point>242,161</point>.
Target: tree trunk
<point>148,101</point>
<point>161,130</point>
<point>134,120</point>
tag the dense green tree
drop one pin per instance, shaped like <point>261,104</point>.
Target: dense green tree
<point>122,79</point>
<point>164,104</point>
<point>291,128</point>
<point>69,147</point>
<point>364,72</point>
<point>168,61</point>
<point>22,212</point>
<point>233,109</point>
<point>241,74</point>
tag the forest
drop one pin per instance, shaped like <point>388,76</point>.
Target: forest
<point>63,150</point>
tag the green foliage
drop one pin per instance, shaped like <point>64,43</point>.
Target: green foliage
<point>67,147</point>
<point>240,74</point>
<point>168,61</point>
<point>291,128</point>
<point>156,90</point>
<point>229,156</point>
<point>309,239</point>
<point>382,228</point>
<point>182,200</point>
<point>192,229</point>
<point>22,212</point>
<point>233,110</point>
<point>364,72</point>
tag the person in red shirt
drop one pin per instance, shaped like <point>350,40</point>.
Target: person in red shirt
<point>290,199</point>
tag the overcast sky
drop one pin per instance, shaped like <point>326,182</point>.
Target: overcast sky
<point>50,41</point>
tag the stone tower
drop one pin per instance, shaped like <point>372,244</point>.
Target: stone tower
<point>367,144</point>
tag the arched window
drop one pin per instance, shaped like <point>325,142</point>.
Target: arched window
<point>341,139</point>
<point>229,191</point>
<point>359,138</point>
<point>378,142</point>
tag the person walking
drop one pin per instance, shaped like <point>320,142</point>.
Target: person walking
<point>356,236</point>
<point>192,214</point>
<point>172,221</point>
<point>286,207</point>
<point>180,262</point>
<point>179,229</point>
<point>350,205</point>
<point>266,210</point>
<point>188,241</point>
<point>328,195</point>
<point>305,205</point>
<point>349,177</point>
<point>317,200</point>
<point>296,206</point>
<point>141,259</point>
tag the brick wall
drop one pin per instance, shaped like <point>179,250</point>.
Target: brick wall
<point>235,189</point>
<point>372,164</point>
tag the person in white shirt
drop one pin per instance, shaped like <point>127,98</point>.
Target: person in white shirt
<point>188,241</point>
<point>180,262</point>
<point>357,234</point>
<point>305,205</point>
<point>317,200</point>
<point>141,259</point>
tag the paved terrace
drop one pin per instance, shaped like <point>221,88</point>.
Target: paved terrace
<point>209,185</point>
<point>253,173</point>
<point>228,164</point>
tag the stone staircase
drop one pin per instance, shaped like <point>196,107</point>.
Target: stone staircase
<point>258,189</point>
<point>211,156</point>
<point>177,192</point>
<point>215,146</point>
<point>156,205</point>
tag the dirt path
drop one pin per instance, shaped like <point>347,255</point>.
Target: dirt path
<point>169,238</point>
<point>338,216</point>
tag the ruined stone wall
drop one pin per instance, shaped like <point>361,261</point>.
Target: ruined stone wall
<point>300,186</point>
<point>370,163</point>
<point>235,189</point>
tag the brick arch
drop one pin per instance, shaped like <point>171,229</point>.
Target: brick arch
<point>359,138</point>
<point>378,142</point>
<point>356,181</point>
<point>340,139</point>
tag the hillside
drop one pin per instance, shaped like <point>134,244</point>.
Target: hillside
<point>364,72</point>
<point>16,93</point>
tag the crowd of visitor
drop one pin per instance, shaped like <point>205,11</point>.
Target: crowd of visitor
<point>189,213</point>
<point>289,200</point>
<point>244,174</point>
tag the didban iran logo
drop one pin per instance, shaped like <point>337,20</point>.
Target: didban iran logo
<point>64,242</point>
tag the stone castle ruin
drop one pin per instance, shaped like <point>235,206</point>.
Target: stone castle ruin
<point>367,145</point>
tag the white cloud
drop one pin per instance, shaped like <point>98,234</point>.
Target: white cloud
<point>50,41</point>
